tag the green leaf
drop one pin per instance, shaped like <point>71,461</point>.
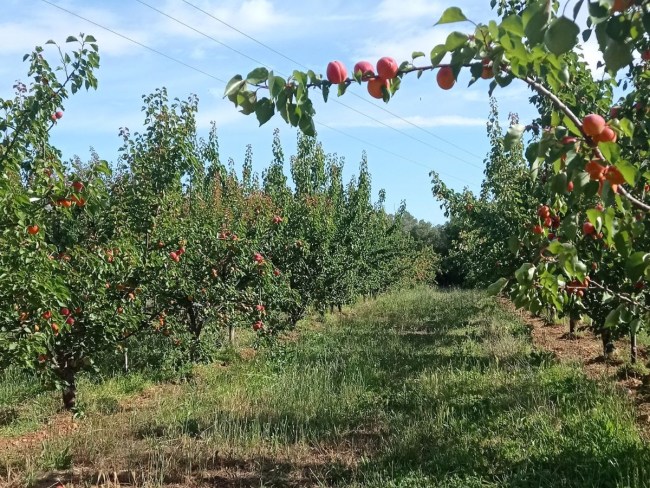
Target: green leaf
<point>258,75</point>
<point>559,184</point>
<point>612,318</point>
<point>561,36</point>
<point>617,55</point>
<point>264,110</point>
<point>513,136</point>
<point>627,127</point>
<point>417,54</point>
<point>496,287</point>
<point>524,275</point>
<point>307,126</point>
<point>513,24</point>
<point>535,19</point>
<point>576,8</point>
<point>235,84</point>
<point>437,53</point>
<point>277,84</point>
<point>628,170</point>
<point>455,40</point>
<point>451,15</point>
<point>90,38</point>
<point>71,39</point>
<point>636,265</point>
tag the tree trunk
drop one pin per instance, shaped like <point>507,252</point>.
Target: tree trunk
<point>331,308</point>
<point>633,348</point>
<point>573,322</point>
<point>196,327</point>
<point>608,345</point>
<point>340,307</point>
<point>69,390</point>
<point>126,360</point>
<point>231,334</point>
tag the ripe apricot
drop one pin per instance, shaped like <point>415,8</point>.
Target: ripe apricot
<point>374,87</point>
<point>593,124</point>
<point>387,68</point>
<point>366,69</point>
<point>336,72</point>
<point>445,78</point>
<point>607,135</point>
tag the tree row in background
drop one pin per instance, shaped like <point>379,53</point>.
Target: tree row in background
<point>170,244</point>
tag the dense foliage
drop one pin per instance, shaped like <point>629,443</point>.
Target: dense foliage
<point>170,242</point>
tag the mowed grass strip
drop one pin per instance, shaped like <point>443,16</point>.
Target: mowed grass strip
<point>416,388</point>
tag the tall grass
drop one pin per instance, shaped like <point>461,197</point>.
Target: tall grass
<point>417,388</point>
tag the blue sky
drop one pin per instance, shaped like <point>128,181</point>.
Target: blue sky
<point>450,137</point>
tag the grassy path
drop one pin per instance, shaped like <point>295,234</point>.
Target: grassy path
<point>415,389</point>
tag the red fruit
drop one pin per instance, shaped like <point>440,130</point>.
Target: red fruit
<point>568,140</point>
<point>588,228</point>
<point>276,272</point>
<point>47,315</point>
<point>366,69</point>
<point>445,78</point>
<point>65,311</point>
<point>41,359</point>
<point>638,285</point>
<point>120,310</point>
<point>64,202</point>
<point>645,55</point>
<point>53,117</point>
<point>595,170</point>
<point>551,236</point>
<point>374,87</point>
<point>336,72</point>
<point>33,229</point>
<point>607,135</point>
<point>613,112</point>
<point>79,201</point>
<point>621,5</point>
<point>387,68</point>
<point>69,321</point>
<point>538,229</point>
<point>258,258</point>
<point>548,221</point>
<point>77,310</point>
<point>174,257</point>
<point>78,186</point>
<point>613,175</point>
<point>181,251</point>
<point>569,186</point>
<point>544,211</point>
<point>556,221</point>
<point>259,325</point>
<point>259,307</point>
<point>58,114</point>
<point>277,219</point>
<point>593,124</point>
<point>55,328</point>
<point>487,72</point>
<point>599,207</point>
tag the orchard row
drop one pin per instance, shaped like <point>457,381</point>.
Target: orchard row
<point>562,213</point>
<point>170,241</point>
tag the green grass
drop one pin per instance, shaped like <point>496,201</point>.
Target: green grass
<point>417,388</point>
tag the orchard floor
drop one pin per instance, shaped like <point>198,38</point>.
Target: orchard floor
<point>418,388</point>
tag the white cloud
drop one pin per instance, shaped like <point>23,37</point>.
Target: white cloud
<point>255,17</point>
<point>406,10</point>
<point>407,122</point>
